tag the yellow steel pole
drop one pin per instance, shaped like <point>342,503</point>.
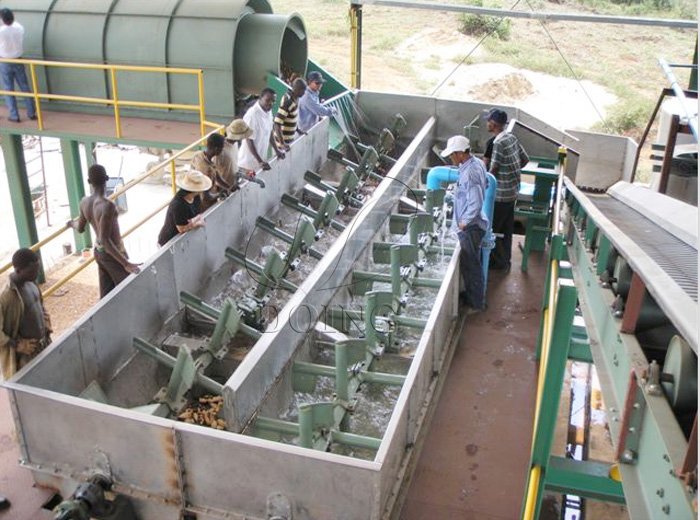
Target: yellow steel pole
<point>353,47</point>
<point>115,96</point>
<point>202,116</point>
<point>172,175</point>
<point>533,485</point>
<point>37,103</point>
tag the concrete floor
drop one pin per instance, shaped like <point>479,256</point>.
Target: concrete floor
<point>476,454</point>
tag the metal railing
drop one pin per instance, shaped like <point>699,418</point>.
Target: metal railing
<point>552,288</point>
<point>114,101</point>
<point>170,161</point>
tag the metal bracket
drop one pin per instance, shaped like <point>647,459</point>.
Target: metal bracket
<point>633,415</point>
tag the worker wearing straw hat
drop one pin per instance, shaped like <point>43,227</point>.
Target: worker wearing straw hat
<point>185,210</point>
<point>236,131</point>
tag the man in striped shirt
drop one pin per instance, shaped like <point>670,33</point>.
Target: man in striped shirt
<point>469,219</point>
<point>507,158</point>
<point>285,127</point>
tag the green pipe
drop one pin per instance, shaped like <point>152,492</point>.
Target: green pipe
<point>382,378</point>
<point>295,204</point>
<point>314,369</point>
<point>256,268</point>
<point>197,305</point>
<point>395,253</point>
<point>306,423</point>
<point>432,283</point>
<point>355,441</point>
<point>277,426</point>
<point>269,226</point>
<point>407,321</point>
<point>365,376</point>
<point>341,372</point>
<point>436,250</point>
<point>169,361</point>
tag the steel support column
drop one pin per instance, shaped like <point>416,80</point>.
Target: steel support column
<point>546,415</point>
<point>20,194</point>
<point>356,46</point>
<point>70,151</point>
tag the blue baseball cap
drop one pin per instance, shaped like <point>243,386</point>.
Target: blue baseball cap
<point>315,75</point>
<point>497,116</point>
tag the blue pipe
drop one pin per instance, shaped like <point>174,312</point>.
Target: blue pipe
<point>489,240</point>
<point>440,174</point>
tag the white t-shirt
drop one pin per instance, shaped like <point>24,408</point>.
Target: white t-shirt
<point>261,123</point>
<point>11,40</point>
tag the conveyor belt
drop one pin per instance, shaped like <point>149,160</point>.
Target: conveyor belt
<point>673,256</point>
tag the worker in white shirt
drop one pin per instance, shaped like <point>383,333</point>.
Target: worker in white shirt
<point>12,46</point>
<point>252,154</point>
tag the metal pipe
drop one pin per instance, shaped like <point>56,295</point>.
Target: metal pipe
<point>341,372</point>
<point>382,378</point>
<point>169,361</point>
<point>395,253</point>
<point>692,119</point>
<point>355,441</point>
<point>306,424</point>
<point>277,425</point>
<point>549,17</point>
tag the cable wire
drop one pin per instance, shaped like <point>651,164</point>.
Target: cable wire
<point>495,27</point>
<point>573,73</point>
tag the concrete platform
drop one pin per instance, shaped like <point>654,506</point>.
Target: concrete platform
<point>475,457</point>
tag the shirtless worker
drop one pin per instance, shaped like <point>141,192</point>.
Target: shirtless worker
<point>112,261</point>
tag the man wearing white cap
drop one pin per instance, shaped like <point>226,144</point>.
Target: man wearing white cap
<point>185,210</point>
<point>469,219</point>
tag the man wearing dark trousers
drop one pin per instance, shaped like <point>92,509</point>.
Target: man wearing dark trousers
<point>469,219</point>
<point>507,158</point>
<point>110,255</point>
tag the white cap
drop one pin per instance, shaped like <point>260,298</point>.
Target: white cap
<point>456,143</point>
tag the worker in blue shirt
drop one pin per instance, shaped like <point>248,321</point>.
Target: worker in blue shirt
<point>469,219</point>
<point>310,107</point>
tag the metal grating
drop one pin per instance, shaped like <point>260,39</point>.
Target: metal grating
<point>675,257</point>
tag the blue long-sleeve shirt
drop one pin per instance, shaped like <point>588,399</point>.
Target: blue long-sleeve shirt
<point>469,197</point>
<point>310,109</point>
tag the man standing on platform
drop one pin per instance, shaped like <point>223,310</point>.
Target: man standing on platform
<point>507,159</point>
<point>112,261</point>
<point>25,327</point>
<point>469,219</point>
<point>310,107</point>
<point>253,152</point>
<point>12,46</point>
<point>285,128</point>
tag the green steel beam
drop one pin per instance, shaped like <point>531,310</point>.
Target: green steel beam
<point>586,479</point>
<point>615,356</point>
<point>70,151</point>
<point>580,350</point>
<point>552,388</point>
<point>20,193</point>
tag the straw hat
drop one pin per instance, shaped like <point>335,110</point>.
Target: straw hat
<point>193,181</point>
<point>238,129</point>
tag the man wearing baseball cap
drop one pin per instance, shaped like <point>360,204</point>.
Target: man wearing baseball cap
<point>310,107</point>
<point>507,158</point>
<point>469,219</point>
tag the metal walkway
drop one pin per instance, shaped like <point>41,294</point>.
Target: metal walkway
<point>475,458</point>
<point>675,257</point>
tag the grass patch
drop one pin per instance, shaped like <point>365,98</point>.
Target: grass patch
<point>387,42</point>
<point>480,24</point>
<point>628,118</point>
